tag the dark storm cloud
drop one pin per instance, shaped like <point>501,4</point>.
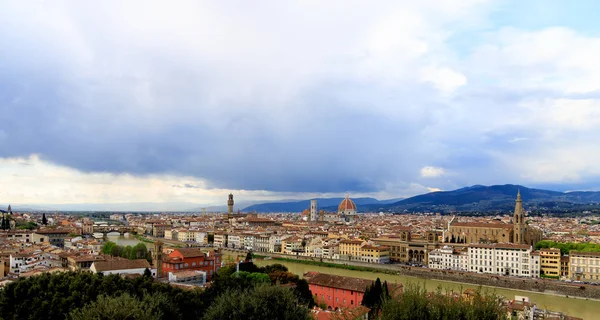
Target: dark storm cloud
<point>262,101</point>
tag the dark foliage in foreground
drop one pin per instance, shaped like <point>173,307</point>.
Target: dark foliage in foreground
<point>416,303</point>
<point>94,296</point>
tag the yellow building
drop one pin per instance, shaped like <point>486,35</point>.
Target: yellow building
<point>292,245</point>
<point>584,266</point>
<point>350,249</point>
<point>375,254</point>
<point>550,262</point>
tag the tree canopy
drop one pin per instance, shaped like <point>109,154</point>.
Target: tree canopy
<point>261,302</point>
<point>566,247</point>
<point>416,303</point>
<point>139,251</point>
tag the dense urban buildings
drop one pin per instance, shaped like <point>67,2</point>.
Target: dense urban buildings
<point>498,245</point>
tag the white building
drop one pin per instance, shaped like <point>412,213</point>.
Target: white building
<point>220,240</point>
<point>233,241</point>
<point>445,258</point>
<point>504,259</point>
<point>201,236</point>
<point>261,242</point>
<point>122,266</point>
<point>248,241</point>
<point>331,250</point>
<point>193,277</point>
<point>275,242</point>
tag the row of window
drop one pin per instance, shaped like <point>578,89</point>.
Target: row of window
<point>185,265</point>
<point>337,300</point>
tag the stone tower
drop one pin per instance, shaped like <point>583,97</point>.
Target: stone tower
<point>313,210</point>
<point>157,258</point>
<point>519,221</point>
<point>230,204</point>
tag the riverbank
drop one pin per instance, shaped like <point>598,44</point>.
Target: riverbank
<point>537,285</point>
<point>579,307</point>
<point>142,238</point>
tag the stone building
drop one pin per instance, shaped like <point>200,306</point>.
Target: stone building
<point>518,232</point>
<point>403,247</point>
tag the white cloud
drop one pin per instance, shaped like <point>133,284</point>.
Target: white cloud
<point>444,79</point>
<point>432,172</point>
<point>34,181</point>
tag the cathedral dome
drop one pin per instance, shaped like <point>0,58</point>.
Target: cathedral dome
<point>347,206</point>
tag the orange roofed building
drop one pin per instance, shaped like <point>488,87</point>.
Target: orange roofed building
<point>186,259</point>
<point>336,291</point>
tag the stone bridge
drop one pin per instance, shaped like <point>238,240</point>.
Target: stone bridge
<point>108,229</point>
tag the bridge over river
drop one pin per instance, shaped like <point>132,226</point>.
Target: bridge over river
<point>114,228</point>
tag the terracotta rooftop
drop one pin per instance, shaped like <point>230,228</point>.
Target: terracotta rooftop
<point>190,252</point>
<point>581,253</point>
<point>482,225</point>
<point>120,264</point>
<point>339,282</point>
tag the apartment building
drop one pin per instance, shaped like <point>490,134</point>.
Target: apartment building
<point>158,230</point>
<point>375,254</point>
<point>291,245</point>
<point>446,258</point>
<point>584,266</point>
<point>247,241</point>
<point>261,242</point>
<point>504,259</point>
<point>275,242</point>
<point>171,234</point>
<point>234,241</point>
<point>220,240</point>
<point>550,262</point>
<point>350,249</point>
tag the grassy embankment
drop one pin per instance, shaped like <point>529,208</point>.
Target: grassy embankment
<point>142,238</point>
<point>336,265</point>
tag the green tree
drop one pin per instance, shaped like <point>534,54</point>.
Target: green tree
<point>374,297</point>
<point>273,267</point>
<point>126,252</point>
<point>304,294</point>
<point>52,296</point>
<point>127,307</point>
<point>108,246</point>
<point>261,302</point>
<point>139,251</point>
<point>416,303</point>
<point>44,220</point>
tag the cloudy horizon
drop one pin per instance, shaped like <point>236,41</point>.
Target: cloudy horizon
<point>144,101</point>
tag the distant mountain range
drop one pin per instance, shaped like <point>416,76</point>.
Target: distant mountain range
<point>327,204</point>
<point>476,198</point>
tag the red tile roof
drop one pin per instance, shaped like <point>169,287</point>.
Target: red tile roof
<point>340,282</point>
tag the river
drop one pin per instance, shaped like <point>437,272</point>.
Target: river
<point>125,240</point>
<point>586,309</point>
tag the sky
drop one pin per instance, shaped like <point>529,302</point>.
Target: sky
<point>183,102</point>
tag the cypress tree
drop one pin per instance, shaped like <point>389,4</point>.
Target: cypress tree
<point>44,220</point>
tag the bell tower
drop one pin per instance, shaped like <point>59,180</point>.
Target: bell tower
<point>313,210</point>
<point>230,204</point>
<point>157,258</point>
<point>519,221</point>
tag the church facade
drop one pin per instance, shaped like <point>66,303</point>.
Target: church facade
<point>519,232</point>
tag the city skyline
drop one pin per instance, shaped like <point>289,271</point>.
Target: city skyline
<point>131,103</point>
